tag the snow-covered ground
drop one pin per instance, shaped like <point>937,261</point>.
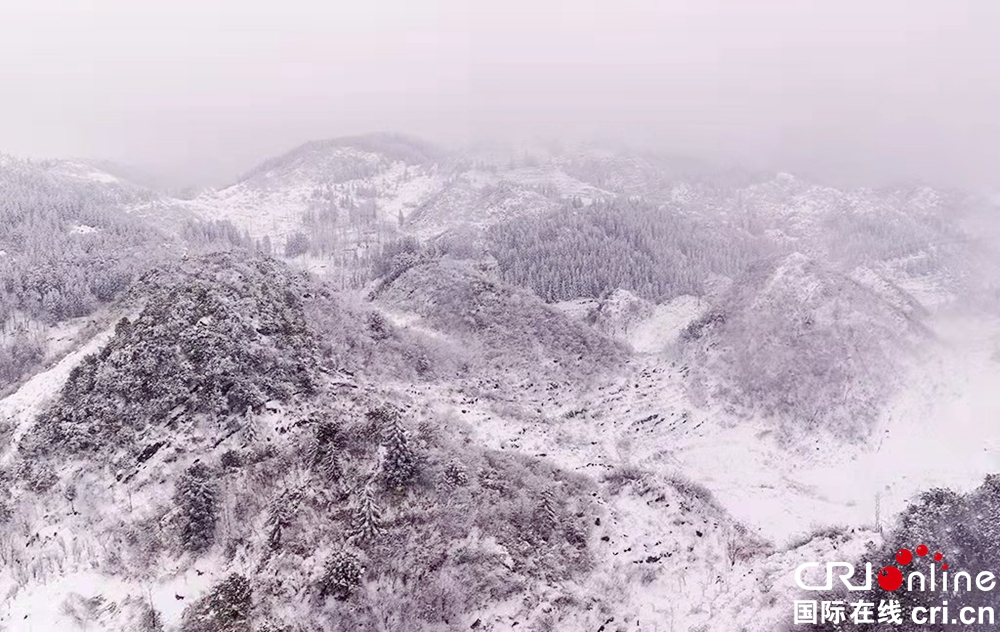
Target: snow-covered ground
<point>937,431</point>
<point>659,331</point>
<point>941,431</point>
<point>60,601</point>
<point>49,607</point>
<point>85,172</point>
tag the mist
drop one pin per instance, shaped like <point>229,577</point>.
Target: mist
<point>198,92</point>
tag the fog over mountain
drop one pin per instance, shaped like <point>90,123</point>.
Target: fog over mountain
<point>445,317</point>
<point>199,92</point>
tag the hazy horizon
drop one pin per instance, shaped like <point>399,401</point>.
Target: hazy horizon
<point>197,93</point>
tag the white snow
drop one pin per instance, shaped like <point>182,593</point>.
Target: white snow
<point>936,432</point>
<point>100,176</point>
<point>577,309</point>
<point>656,333</point>
<point>408,195</point>
<point>39,607</point>
<point>940,431</point>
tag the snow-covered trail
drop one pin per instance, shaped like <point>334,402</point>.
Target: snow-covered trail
<point>21,407</point>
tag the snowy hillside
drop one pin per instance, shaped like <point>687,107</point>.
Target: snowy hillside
<point>575,389</point>
<point>364,185</point>
<point>70,243</point>
<point>378,183</point>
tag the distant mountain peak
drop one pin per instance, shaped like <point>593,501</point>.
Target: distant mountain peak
<point>381,147</point>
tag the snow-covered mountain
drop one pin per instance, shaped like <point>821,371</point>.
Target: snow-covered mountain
<point>569,390</point>
<point>359,192</point>
<point>350,182</point>
<point>379,183</point>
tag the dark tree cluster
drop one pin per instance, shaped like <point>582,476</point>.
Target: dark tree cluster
<point>297,244</point>
<point>655,252</point>
<point>395,258</point>
<point>227,608</point>
<point>197,498</point>
<point>216,232</point>
<point>513,326</point>
<point>19,352</point>
<point>219,336</point>
<point>400,464</point>
<point>341,576</point>
<point>323,451</point>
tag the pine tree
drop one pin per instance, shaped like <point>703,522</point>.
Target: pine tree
<point>367,516</point>
<point>123,327</point>
<point>400,464</point>
<point>455,474</point>
<point>249,429</point>
<point>323,450</point>
<point>329,465</point>
<point>280,518</point>
<point>197,498</point>
<point>547,516</point>
<point>6,512</point>
<point>297,244</point>
<point>230,603</point>
<point>151,620</point>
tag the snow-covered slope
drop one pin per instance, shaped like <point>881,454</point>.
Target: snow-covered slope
<point>348,196</point>
<point>647,328</point>
<point>79,176</point>
<point>19,410</point>
<point>642,426</point>
<point>365,181</point>
<point>797,341</point>
<point>274,203</point>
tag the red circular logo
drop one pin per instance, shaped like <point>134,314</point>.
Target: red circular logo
<point>904,557</point>
<point>890,578</point>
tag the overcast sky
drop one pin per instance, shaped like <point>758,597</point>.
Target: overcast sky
<point>200,90</point>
